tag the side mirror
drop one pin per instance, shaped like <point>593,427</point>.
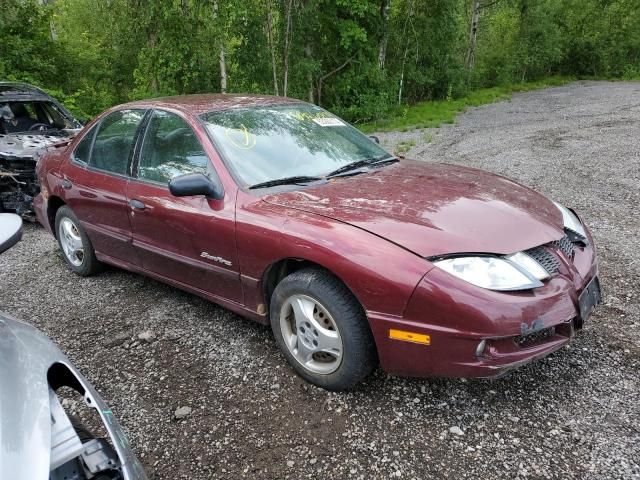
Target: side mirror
<point>196,184</point>
<point>374,138</point>
<point>10,230</point>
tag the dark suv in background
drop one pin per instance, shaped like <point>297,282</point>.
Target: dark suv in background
<point>30,122</point>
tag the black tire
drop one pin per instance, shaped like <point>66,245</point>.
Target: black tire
<point>359,356</point>
<point>90,264</point>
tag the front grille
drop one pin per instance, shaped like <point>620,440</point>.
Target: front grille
<point>565,245</point>
<point>544,257</point>
<point>536,337</point>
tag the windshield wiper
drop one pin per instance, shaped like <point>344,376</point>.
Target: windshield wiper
<point>299,179</point>
<point>359,164</point>
<point>305,179</point>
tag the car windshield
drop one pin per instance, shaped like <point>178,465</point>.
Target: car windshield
<point>23,116</point>
<point>263,144</point>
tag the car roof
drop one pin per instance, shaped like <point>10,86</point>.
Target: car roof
<point>15,91</point>
<point>23,92</point>
<point>203,103</point>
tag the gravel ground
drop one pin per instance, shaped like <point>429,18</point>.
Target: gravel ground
<point>574,414</point>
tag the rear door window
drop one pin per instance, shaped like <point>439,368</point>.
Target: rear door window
<point>83,149</point>
<point>114,141</point>
<point>170,148</point>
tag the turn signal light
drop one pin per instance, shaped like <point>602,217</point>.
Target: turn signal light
<point>409,336</point>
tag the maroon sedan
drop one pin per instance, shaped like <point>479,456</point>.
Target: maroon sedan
<point>280,211</point>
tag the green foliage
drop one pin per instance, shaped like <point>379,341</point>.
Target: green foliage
<point>27,51</point>
<point>404,146</point>
<point>93,54</point>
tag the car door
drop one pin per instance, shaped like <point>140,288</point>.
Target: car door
<point>189,240</point>
<point>95,183</point>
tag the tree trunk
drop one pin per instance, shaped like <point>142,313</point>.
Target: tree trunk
<point>385,6</point>
<point>332,72</point>
<point>223,71</point>
<point>151,42</point>
<point>220,40</point>
<point>287,42</point>
<point>272,48</point>
<point>473,35</point>
<point>307,53</point>
<point>406,50</point>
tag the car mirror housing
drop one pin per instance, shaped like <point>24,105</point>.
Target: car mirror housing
<point>10,230</point>
<point>196,184</point>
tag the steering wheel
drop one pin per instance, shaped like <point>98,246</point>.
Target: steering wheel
<point>39,126</point>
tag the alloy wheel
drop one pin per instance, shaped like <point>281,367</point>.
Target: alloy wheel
<point>311,334</point>
<point>71,241</point>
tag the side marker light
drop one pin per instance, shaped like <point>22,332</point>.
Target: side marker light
<point>409,336</point>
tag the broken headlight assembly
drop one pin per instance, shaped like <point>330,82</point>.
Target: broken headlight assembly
<point>512,272</point>
<point>572,224</point>
<point>518,271</point>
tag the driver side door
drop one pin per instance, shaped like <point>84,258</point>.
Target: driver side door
<point>189,241</point>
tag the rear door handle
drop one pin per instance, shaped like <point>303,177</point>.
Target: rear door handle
<point>66,184</point>
<point>137,204</point>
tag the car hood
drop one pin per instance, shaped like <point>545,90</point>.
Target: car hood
<point>435,209</point>
<point>31,145</point>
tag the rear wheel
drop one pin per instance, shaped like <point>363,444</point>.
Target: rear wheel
<point>322,330</point>
<point>75,244</point>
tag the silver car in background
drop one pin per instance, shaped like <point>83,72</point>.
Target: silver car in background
<point>38,439</point>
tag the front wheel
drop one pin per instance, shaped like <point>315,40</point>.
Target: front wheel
<point>322,330</point>
<point>75,244</point>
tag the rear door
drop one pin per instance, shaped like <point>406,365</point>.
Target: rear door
<point>190,240</point>
<point>96,181</point>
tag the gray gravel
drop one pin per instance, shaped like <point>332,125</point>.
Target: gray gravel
<point>155,352</point>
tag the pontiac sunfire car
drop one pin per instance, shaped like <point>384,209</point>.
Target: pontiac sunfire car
<point>284,213</point>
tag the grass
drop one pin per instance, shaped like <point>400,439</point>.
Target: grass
<point>404,146</point>
<point>433,114</point>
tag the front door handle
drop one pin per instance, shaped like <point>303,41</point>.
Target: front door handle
<point>66,184</point>
<point>137,204</point>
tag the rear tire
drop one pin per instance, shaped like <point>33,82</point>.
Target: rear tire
<point>322,330</point>
<point>75,244</point>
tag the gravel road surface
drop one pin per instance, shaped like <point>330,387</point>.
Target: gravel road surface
<point>575,414</point>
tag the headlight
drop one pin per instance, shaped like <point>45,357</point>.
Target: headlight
<point>515,272</point>
<point>570,221</point>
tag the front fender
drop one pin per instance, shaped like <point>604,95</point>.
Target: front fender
<point>380,274</point>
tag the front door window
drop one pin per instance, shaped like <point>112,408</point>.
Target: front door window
<point>170,148</point>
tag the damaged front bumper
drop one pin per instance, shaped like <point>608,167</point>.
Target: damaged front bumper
<point>18,184</point>
<point>19,154</point>
<point>482,333</point>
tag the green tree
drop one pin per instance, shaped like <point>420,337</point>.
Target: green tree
<point>360,58</point>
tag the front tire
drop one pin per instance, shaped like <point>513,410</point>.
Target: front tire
<point>322,330</point>
<point>75,244</point>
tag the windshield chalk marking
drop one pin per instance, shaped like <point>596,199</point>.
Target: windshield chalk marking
<point>248,139</point>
